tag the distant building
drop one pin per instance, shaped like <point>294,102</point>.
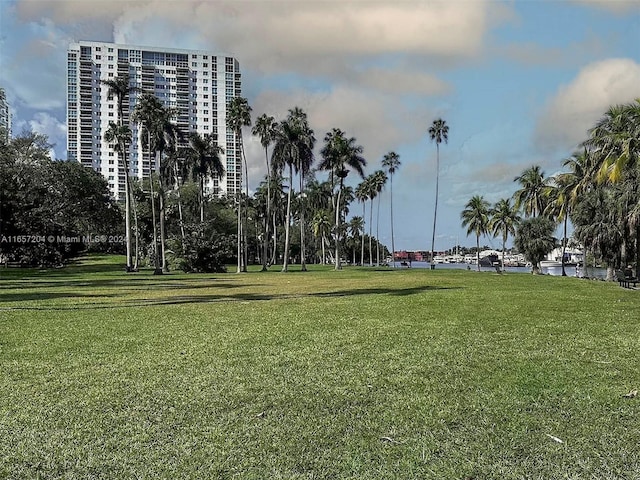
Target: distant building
<point>198,84</point>
<point>5,116</point>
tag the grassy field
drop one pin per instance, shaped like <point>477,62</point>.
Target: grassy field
<point>363,374</point>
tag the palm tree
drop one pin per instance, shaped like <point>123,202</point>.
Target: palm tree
<point>534,239</point>
<point>438,132</point>
<point>362,194</point>
<point>265,128</point>
<point>341,154</point>
<point>121,136</point>
<point>504,219</point>
<point>531,197</point>
<point>238,116</point>
<point>204,155</point>
<point>294,142</point>
<point>372,192</point>
<point>321,224</point>
<point>379,180</point>
<point>302,167</point>
<point>475,217</point>
<point>356,228</point>
<point>154,118</point>
<point>614,150</point>
<point>391,162</point>
<point>120,88</point>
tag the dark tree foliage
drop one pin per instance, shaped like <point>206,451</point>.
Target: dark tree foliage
<point>51,211</point>
<point>534,239</point>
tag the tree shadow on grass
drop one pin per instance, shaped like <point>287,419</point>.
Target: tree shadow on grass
<point>37,296</point>
<point>237,297</point>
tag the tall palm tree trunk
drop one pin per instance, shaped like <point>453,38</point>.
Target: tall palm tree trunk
<point>303,265</point>
<point>180,217</point>
<point>393,245</point>
<point>371,233</point>
<point>378,233</point>
<point>246,212</point>
<point>156,256</point>
<point>564,243</point>
<point>267,219</point>
<point>477,252</point>
<point>201,200</point>
<point>504,243</point>
<point>274,237</point>
<point>127,210</point>
<point>435,212</point>
<point>285,263</point>
<point>338,265</point>
<point>136,263</point>
<point>364,212</point>
<point>239,242</point>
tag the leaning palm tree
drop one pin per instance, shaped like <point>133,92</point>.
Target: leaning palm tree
<point>475,217</point>
<point>238,116</point>
<point>204,156</point>
<point>294,142</point>
<point>265,128</point>
<point>391,162</point>
<point>339,156</point>
<point>121,88</point>
<point>504,219</point>
<point>531,196</point>
<point>438,132</point>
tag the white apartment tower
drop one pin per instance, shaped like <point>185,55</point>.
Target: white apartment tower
<point>198,84</point>
<point>5,116</point>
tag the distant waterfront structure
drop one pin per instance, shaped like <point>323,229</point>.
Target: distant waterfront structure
<point>198,84</point>
<point>5,116</point>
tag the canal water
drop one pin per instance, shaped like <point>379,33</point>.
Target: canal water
<point>592,272</point>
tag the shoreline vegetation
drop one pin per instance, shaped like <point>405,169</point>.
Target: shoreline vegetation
<point>367,373</point>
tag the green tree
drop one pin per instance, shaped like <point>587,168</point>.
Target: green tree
<point>293,146</point>
<point>362,195</point>
<point>238,116</point>
<point>503,221</point>
<point>340,155</point>
<point>321,224</point>
<point>531,195</point>
<point>438,133</point>
<point>265,127</point>
<point>204,157</point>
<point>475,217</point>
<point>121,88</point>
<point>391,162</point>
<point>534,238</point>
<point>356,229</point>
<point>379,180</point>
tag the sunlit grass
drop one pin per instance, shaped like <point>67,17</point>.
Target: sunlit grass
<point>360,373</point>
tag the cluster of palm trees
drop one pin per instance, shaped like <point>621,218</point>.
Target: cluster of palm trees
<point>289,192</point>
<point>599,193</point>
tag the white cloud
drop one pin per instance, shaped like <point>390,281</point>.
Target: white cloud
<point>576,107</point>
<point>55,130</point>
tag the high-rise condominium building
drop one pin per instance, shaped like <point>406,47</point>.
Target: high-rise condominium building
<point>5,116</point>
<point>198,84</point>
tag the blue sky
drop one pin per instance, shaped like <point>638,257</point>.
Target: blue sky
<point>518,82</point>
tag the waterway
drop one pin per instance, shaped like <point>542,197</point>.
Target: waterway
<point>592,272</point>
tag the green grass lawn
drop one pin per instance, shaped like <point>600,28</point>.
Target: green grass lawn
<point>362,374</point>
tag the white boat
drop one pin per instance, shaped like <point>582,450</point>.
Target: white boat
<point>550,264</point>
